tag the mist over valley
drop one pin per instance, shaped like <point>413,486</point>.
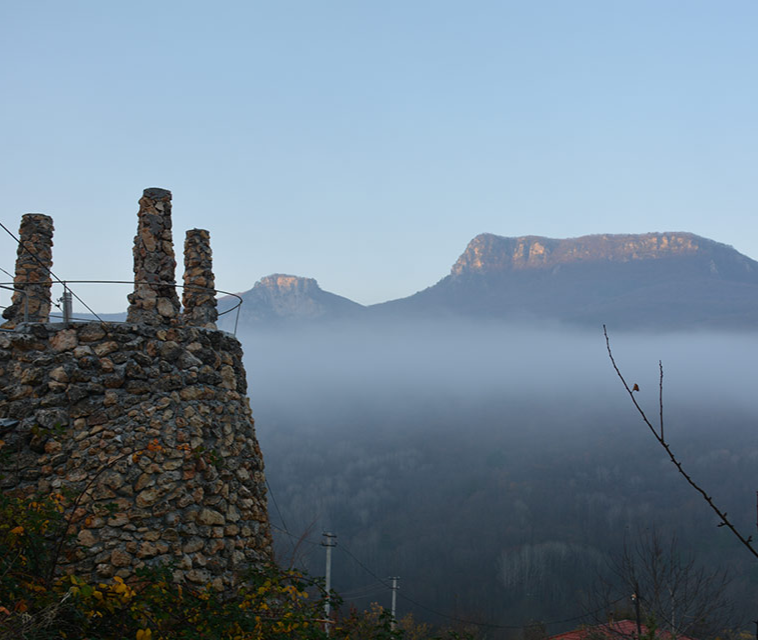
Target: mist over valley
<point>474,439</point>
<point>497,468</point>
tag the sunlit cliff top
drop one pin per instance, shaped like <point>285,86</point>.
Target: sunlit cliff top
<point>491,253</point>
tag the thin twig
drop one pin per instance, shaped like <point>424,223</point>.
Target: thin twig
<point>725,522</point>
<point>660,395</point>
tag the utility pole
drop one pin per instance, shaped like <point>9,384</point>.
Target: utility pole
<point>394,600</point>
<point>66,300</point>
<point>636,598</point>
<point>329,541</point>
<point>673,614</point>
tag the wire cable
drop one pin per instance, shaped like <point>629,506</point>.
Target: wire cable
<point>294,537</point>
<point>374,595</point>
<point>382,582</point>
<point>364,591</point>
<point>237,304</point>
<point>281,517</point>
<point>386,585</point>
<point>276,506</point>
<point>465,621</point>
<point>50,271</point>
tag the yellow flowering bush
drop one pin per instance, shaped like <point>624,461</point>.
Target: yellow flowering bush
<point>36,603</point>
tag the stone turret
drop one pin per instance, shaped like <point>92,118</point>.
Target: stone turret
<point>32,281</point>
<point>147,421</point>
<point>199,296</point>
<point>154,300</point>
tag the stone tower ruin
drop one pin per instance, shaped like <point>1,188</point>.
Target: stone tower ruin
<point>145,424</point>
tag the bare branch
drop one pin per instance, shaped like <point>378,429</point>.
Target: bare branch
<point>660,396</point>
<point>724,521</point>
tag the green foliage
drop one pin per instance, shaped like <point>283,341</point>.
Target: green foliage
<point>36,603</point>
<point>270,603</point>
<point>375,623</point>
<point>208,456</point>
<point>39,602</point>
<point>28,531</point>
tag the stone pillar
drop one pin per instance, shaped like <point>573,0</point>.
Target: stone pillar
<point>33,279</point>
<point>199,296</point>
<point>154,300</point>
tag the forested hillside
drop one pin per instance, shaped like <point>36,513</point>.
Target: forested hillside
<point>497,472</point>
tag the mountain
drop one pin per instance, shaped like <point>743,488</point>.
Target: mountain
<point>653,280</point>
<point>671,280</point>
<point>283,299</point>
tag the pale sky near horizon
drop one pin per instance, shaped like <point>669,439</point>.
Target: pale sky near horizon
<point>365,143</point>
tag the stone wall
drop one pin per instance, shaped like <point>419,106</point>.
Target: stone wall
<point>153,422</point>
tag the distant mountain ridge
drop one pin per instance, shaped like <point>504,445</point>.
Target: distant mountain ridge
<point>666,280</point>
<point>488,252</point>
<point>670,280</point>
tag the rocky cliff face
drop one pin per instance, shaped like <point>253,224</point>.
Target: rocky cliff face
<point>656,280</point>
<point>291,295</point>
<point>489,253</point>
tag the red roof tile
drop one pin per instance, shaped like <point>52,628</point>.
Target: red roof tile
<point>612,630</point>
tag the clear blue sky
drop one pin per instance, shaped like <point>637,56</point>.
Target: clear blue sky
<point>364,143</point>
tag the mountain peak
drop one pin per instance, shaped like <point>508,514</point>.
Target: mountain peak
<point>281,297</point>
<point>488,253</point>
<point>286,284</point>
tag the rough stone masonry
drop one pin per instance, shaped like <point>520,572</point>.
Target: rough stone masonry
<point>32,280</point>
<point>147,421</point>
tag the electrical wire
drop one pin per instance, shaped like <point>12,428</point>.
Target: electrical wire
<point>281,517</point>
<point>363,596</point>
<point>294,537</point>
<point>237,305</point>
<point>386,585</point>
<point>372,588</point>
<point>472,622</point>
<point>360,595</point>
<point>276,506</point>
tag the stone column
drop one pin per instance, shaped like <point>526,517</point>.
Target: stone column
<point>199,296</point>
<point>33,279</point>
<point>154,300</point>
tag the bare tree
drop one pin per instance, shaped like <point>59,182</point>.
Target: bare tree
<point>671,589</point>
<point>659,435</point>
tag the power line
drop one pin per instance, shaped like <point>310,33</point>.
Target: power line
<point>421,606</point>
<point>294,537</point>
<point>364,593</point>
<point>386,585</point>
<point>473,622</point>
<point>276,506</point>
<point>281,517</point>
<point>372,587</point>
